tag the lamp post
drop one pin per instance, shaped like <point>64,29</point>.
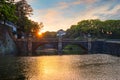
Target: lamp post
<point>89,43</point>
<point>60,33</point>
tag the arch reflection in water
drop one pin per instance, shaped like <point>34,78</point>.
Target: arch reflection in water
<point>46,49</point>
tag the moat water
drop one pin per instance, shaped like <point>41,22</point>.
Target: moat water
<point>65,67</point>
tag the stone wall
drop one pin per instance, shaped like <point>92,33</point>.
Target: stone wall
<point>22,47</point>
<point>7,45</point>
<point>106,48</point>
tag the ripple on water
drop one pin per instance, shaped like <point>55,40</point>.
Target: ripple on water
<point>66,67</point>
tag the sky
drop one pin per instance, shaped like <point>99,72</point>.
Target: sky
<point>61,14</point>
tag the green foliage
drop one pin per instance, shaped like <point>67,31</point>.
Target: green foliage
<point>97,28</point>
<point>73,49</point>
<point>23,10</point>
<point>49,34</point>
<point>7,10</point>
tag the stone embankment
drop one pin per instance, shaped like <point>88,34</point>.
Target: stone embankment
<point>7,45</point>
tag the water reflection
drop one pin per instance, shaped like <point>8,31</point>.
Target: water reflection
<point>49,51</point>
<point>50,67</point>
<point>72,67</point>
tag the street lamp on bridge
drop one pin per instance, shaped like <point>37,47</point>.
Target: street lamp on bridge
<point>89,42</point>
<point>60,33</point>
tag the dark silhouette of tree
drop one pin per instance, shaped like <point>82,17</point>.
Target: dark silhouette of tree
<point>23,11</point>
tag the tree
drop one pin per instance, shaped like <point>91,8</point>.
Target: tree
<point>50,34</point>
<point>35,27</point>
<point>23,10</point>
<point>96,27</point>
<point>7,10</point>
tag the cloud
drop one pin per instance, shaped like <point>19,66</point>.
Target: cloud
<point>112,11</point>
<point>63,5</point>
<point>55,18</point>
<point>52,19</point>
<point>89,1</point>
<point>29,1</point>
<point>102,12</point>
<point>107,13</point>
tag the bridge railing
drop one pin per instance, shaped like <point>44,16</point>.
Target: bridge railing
<point>45,40</point>
<point>50,40</point>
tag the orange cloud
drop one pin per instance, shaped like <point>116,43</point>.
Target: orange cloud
<point>53,20</point>
<point>63,5</point>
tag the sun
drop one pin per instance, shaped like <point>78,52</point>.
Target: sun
<point>39,33</point>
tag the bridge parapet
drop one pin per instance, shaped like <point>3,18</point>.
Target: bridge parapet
<point>97,45</point>
<point>50,40</point>
<point>45,40</point>
<point>109,41</point>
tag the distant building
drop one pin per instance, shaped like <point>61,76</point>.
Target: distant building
<point>10,24</point>
<point>61,32</point>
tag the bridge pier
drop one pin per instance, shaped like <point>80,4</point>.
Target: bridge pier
<point>28,46</point>
<point>89,43</point>
<point>60,45</point>
<point>60,33</point>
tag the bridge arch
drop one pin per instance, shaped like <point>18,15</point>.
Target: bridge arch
<point>54,42</point>
<point>36,45</point>
<point>78,44</point>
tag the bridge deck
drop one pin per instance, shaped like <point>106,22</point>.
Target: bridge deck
<point>66,40</point>
<point>50,40</point>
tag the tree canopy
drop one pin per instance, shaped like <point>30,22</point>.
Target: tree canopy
<point>7,10</point>
<point>49,34</point>
<point>18,13</point>
<point>96,27</point>
<point>23,11</point>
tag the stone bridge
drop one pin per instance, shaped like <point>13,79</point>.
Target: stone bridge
<point>29,46</point>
